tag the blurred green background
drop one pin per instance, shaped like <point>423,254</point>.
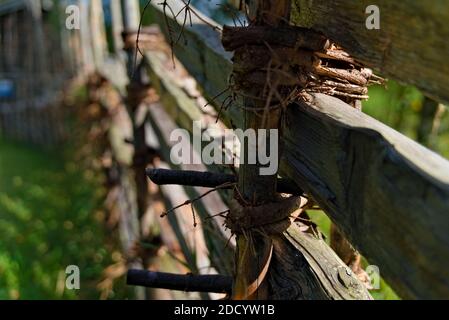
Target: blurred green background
<point>50,217</point>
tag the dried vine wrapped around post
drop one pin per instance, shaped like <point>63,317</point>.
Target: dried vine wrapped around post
<point>274,65</point>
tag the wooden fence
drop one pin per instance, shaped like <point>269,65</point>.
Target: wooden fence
<point>386,193</point>
<point>40,56</point>
<point>32,61</point>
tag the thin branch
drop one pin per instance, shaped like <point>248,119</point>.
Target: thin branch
<point>220,214</point>
<point>138,37</point>
<point>188,202</point>
<point>194,216</point>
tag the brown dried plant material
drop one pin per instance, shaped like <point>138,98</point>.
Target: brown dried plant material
<point>294,61</point>
<point>250,223</point>
<point>270,218</point>
<point>274,64</point>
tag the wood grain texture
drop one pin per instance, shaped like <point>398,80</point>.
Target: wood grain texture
<point>253,251</point>
<point>117,25</point>
<point>305,267</point>
<point>297,273</point>
<point>388,194</point>
<point>215,237</point>
<point>202,54</point>
<point>181,108</point>
<point>411,46</point>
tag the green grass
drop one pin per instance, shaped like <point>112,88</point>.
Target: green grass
<point>49,219</point>
<point>399,107</point>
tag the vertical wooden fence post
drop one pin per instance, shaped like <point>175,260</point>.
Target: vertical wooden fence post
<point>67,50</point>
<point>117,25</point>
<point>86,37</point>
<point>255,188</point>
<point>131,18</point>
<point>39,41</point>
<point>99,42</point>
<point>136,91</point>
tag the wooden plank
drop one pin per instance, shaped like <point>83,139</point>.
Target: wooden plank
<point>132,229</point>
<point>129,232</point>
<point>88,63</point>
<point>387,193</point>
<point>117,25</point>
<point>189,237</point>
<point>98,30</point>
<point>201,52</point>
<point>255,188</point>
<point>163,116</point>
<point>311,279</point>
<point>215,235</point>
<point>411,45</point>
<point>131,14</point>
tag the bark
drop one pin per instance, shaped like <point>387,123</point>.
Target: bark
<point>253,251</point>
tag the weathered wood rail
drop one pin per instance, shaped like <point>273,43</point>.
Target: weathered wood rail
<point>411,44</point>
<point>387,193</point>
